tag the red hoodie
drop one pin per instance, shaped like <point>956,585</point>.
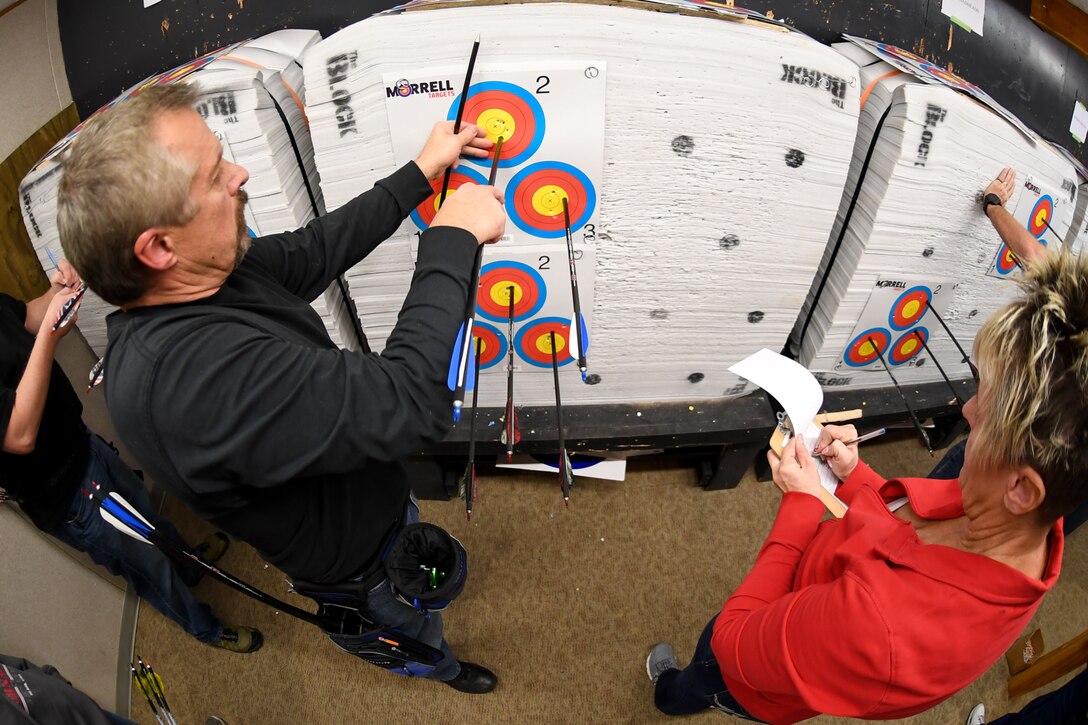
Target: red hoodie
<point>857,617</point>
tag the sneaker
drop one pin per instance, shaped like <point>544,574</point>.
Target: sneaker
<point>240,639</point>
<point>977,716</point>
<point>661,659</point>
<point>211,549</point>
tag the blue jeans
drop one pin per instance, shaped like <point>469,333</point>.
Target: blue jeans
<point>385,608</point>
<point>950,465</point>
<point>699,686</point>
<point>155,577</point>
<point>1067,704</point>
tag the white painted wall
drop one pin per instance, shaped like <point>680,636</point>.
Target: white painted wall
<point>58,608</point>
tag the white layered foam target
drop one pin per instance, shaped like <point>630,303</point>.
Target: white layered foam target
<point>726,147</point>
<point>918,220</point>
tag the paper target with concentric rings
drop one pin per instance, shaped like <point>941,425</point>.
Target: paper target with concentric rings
<point>1041,214</point>
<point>860,352</point>
<point>493,344</point>
<point>534,198</point>
<point>908,346</point>
<point>493,297</point>
<point>909,307</point>
<point>1005,261</point>
<point>947,77</point>
<point>507,110</point>
<point>532,343</point>
<point>423,214</point>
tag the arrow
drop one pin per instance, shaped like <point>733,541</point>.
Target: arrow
<point>512,432</point>
<point>579,342</point>
<point>461,376</point>
<point>468,482</point>
<point>460,115</point>
<point>566,474</point>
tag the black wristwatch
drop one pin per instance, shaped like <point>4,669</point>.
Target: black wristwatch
<point>988,201</point>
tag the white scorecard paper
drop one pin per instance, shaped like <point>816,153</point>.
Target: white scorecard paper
<point>796,390</point>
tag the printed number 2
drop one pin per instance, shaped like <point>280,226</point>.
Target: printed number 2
<point>544,260</point>
<point>543,81</point>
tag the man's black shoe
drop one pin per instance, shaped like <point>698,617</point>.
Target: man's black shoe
<point>474,679</point>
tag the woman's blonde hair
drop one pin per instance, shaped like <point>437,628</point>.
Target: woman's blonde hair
<point>1033,359</point>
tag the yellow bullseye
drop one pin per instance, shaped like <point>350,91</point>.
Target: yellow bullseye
<point>497,122</point>
<point>908,346</point>
<point>544,344</point>
<point>866,349</point>
<point>548,200</point>
<point>500,293</point>
<point>1040,217</point>
<point>438,198</point>
<point>911,309</point>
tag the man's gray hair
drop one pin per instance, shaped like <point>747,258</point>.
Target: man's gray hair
<point>119,181</point>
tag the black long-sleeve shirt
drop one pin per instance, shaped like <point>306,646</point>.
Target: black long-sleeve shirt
<point>45,480</point>
<point>241,406</point>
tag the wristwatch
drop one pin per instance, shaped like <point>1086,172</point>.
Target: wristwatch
<point>990,200</point>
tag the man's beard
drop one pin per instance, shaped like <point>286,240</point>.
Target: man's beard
<point>243,231</point>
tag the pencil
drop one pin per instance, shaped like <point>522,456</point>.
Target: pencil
<point>859,439</point>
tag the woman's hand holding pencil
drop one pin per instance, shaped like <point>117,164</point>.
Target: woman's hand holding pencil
<point>838,446</point>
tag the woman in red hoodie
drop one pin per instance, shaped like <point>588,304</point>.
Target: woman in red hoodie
<point>883,614</point>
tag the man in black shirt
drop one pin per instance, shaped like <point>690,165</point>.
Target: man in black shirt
<point>49,460</point>
<point>221,378</point>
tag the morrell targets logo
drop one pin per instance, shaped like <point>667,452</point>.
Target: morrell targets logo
<point>432,89</point>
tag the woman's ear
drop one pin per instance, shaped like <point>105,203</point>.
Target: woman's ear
<point>1026,492</point>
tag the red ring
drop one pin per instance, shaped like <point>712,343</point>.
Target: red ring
<point>502,277</point>
<point>523,199</point>
<point>524,118</point>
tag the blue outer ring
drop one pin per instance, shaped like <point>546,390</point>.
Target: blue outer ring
<point>501,357</point>
<point>477,178</point>
<point>527,270</point>
<point>531,325</point>
<point>891,313</point>
<point>534,107</point>
<point>860,336</point>
<point>587,185</point>
<point>891,358</point>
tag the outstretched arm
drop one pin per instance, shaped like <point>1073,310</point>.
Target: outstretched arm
<point>1026,247</point>
<point>20,432</point>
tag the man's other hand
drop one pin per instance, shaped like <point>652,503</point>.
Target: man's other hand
<point>477,209</point>
<point>444,148</point>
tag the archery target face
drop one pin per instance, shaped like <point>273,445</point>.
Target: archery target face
<point>551,116</point>
<point>498,280</point>
<point>423,214</point>
<point>1006,261</point>
<point>867,347</point>
<point>908,346</point>
<point>533,342</point>
<point>947,76</point>
<point>909,307</point>
<point>534,199</point>
<point>1041,214</point>
<point>891,315</point>
<point>506,110</point>
<point>493,344</point>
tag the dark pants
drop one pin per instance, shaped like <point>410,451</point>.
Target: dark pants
<point>697,687</point>
<point>388,609</point>
<point>1067,704</point>
<point>157,579</point>
<point>950,465</point>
